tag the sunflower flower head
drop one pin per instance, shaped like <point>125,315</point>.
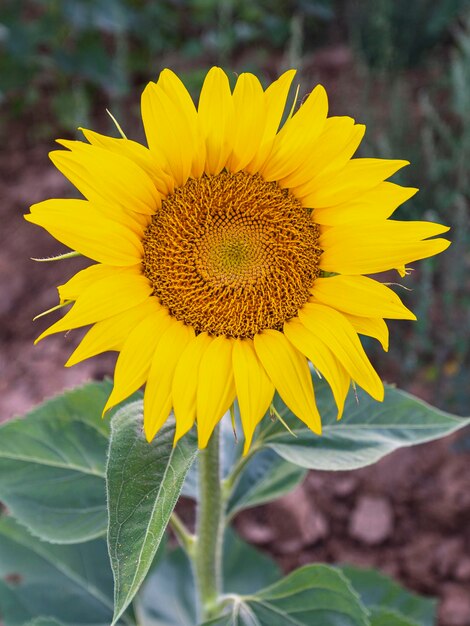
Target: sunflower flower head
<point>232,252</point>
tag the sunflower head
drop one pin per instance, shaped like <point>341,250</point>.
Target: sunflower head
<point>232,251</point>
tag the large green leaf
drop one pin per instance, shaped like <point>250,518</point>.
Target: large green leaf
<point>71,583</point>
<point>267,476</point>
<point>384,617</point>
<point>246,569</point>
<point>379,592</point>
<point>144,482</point>
<point>52,466</point>
<point>168,596</point>
<point>368,431</point>
<point>315,594</point>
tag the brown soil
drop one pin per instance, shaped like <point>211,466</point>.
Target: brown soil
<point>409,515</point>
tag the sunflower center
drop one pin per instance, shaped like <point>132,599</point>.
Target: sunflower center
<point>232,254</point>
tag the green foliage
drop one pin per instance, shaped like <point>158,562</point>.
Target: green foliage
<point>245,569</point>
<point>266,477</point>
<point>168,597</point>
<point>144,482</point>
<point>384,617</point>
<point>387,600</point>
<point>52,466</point>
<point>314,594</point>
<point>392,34</point>
<point>72,583</point>
<point>368,431</point>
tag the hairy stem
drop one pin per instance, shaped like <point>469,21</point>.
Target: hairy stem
<point>209,529</point>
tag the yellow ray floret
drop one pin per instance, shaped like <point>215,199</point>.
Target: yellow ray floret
<point>212,248</point>
<point>158,393</point>
<point>185,383</point>
<point>216,386</point>
<point>255,390</point>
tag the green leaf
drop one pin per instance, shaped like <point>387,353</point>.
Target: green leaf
<point>71,583</point>
<point>380,592</point>
<point>246,569</point>
<point>384,617</point>
<point>315,594</point>
<point>267,476</point>
<point>368,431</point>
<point>168,597</point>
<point>52,465</point>
<point>144,481</point>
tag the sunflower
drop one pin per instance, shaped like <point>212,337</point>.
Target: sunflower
<point>232,252</point>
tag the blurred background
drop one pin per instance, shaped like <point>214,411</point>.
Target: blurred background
<point>400,66</point>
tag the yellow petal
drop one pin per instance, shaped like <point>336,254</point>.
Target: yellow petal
<point>297,137</point>
<point>134,359</point>
<point>185,384</point>
<point>158,398</point>
<point>248,122</point>
<point>335,146</point>
<point>104,298</point>
<point>216,387</point>
<point>377,247</point>
<point>216,118</point>
<point>289,372</point>
<point>136,222</point>
<point>334,159</point>
<point>356,177</point>
<point>169,126</point>
<point>79,226</point>
<point>148,161</point>
<point>275,98</point>
<point>360,295</point>
<point>84,278</point>
<point>322,359</point>
<point>371,327</point>
<point>111,333</point>
<point>375,204</point>
<point>106,177</point>
<point>339,335</point>
<point>179,95</point>
<point>254,387</point>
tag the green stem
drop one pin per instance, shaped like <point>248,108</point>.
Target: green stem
<point>229,484</point>
<point>185,538</point>
<point>209,529</point>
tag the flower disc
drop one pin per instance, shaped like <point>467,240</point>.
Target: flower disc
<point>232,254</point>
